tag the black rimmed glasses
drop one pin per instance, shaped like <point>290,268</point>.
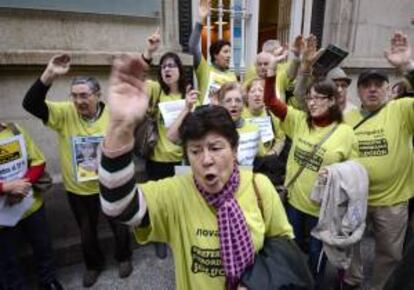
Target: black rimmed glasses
<point>168,65</point>
<point>80,96</point>
<point>316,99</point>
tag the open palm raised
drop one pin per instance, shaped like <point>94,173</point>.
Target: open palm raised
<point>128,99</point>
<point>399,54</point>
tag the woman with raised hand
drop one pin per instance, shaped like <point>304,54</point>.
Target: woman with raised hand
<point>210,77</point>
<point>320,126</point>
<point>255,111</point>
<point>189,212</point>
<point>169,88</point>
<point>276,147</point>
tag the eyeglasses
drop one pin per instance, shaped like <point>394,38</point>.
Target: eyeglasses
<point>231,100</point>
<point>82,96</point>
<point>168,65</point>
<point>316,99</point>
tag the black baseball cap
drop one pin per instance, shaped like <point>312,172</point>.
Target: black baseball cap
<point>370,74</point>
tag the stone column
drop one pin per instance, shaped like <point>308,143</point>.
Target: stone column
<point>170,26</point>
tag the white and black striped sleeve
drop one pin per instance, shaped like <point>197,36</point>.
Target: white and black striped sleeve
<point>120,196</point>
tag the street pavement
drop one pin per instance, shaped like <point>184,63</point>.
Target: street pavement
<point>152,273</point>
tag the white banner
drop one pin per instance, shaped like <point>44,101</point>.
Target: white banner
<point>170,111</point>
<point>10,215</point>
<point>265,127</point>
<point>248,147</point>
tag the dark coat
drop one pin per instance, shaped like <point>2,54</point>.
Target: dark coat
<point>280,265</point>
<point>402,278</point>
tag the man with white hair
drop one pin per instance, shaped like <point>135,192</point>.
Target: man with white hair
<point>385,130</point>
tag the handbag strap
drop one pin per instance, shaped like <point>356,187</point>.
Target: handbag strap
<point>153,104</point>
<point>315,149</point>
<point>366,118</point>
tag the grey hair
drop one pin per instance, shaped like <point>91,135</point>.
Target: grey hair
<point>92,83</point>
<point>270,45</point>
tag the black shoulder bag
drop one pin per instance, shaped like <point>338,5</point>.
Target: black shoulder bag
<point>146,134</point>
<point>279,265</point>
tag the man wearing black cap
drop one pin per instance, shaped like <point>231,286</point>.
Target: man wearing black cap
<point>385,131</point>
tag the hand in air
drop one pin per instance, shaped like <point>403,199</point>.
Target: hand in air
<point>191,98</point>
<point>58,65</point>
<point>154,41</point>
<point>204,9</point>
<point>399,54</point>
<point>128,99</point>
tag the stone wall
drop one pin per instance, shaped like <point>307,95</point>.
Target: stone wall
<point>364,28</point>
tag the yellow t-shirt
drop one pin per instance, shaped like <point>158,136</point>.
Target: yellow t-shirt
<point>210,78</point>
<point>385,149</point>
<point>65,120</point>
<point>35,157</point>
<point>340,146</point>
<point>180,217</point>
<point>279,135</point>
<point>282,80</point>
<point>165,150</point>
<point>250,144</point>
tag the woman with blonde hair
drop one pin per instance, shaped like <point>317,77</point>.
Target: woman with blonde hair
<point>230,96</point>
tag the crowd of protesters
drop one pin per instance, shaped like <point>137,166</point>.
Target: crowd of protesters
<point>282,152</point>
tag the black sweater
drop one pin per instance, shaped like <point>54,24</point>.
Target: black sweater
<point>34,101</point>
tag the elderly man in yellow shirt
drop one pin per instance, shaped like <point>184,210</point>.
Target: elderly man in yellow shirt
<point>385,132</point>
<point>81,120</point>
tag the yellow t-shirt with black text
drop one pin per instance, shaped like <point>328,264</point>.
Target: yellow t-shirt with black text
<point>339,147</point>
<point>385,149</point>
<point>65,120</point>
<point>181,217</point>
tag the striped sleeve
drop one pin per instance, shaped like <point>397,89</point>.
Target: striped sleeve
<point>120,196</point>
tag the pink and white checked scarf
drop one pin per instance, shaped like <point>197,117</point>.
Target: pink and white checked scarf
<point>236,245</point>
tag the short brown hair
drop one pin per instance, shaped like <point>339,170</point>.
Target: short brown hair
<point>227,87</point>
